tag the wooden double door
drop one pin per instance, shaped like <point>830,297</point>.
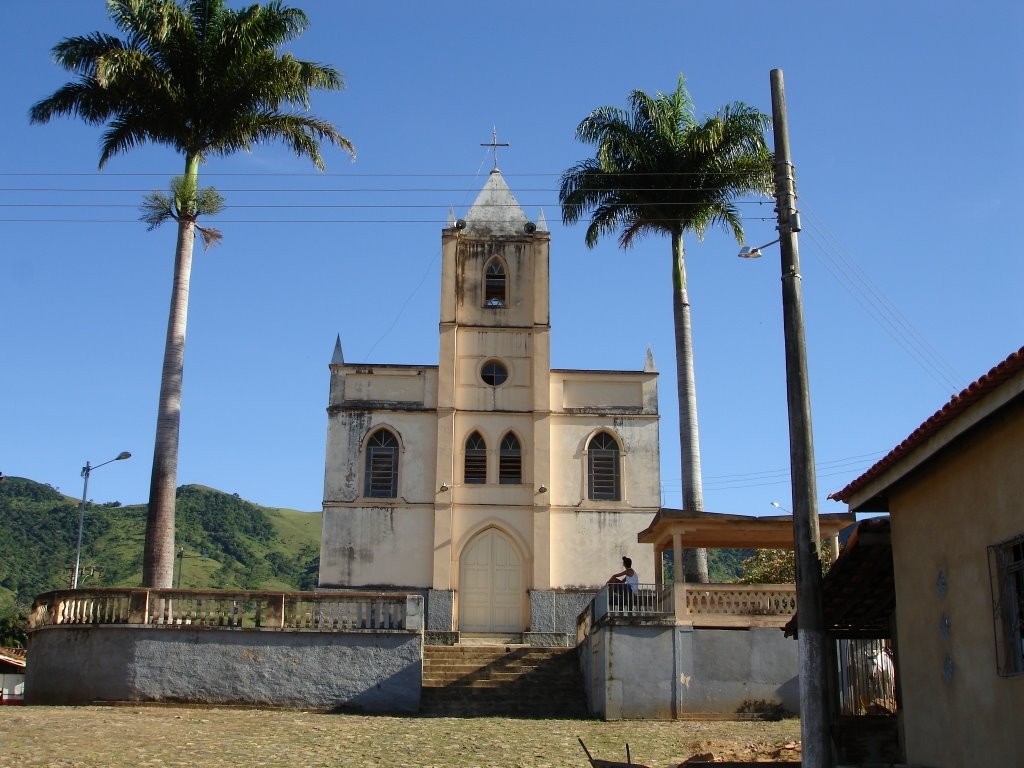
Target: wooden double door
<point>491,585</point>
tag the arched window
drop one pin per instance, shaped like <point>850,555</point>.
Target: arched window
<point>476,459</point>
<point>603,468</point>
<point>381,465</point>
<point>510,461</point>
<point>495,284</point>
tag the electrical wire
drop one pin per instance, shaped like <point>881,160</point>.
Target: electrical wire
<point>827,249</point>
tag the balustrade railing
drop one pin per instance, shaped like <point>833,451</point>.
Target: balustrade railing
<point>647,600</point>
<point>315,611</point>
<point>697,604</point>
<point>741,599</point>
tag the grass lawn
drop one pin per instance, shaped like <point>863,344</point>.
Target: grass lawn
<point>143,736</point>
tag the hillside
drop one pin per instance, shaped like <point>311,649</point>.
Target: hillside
<point>228,542</point>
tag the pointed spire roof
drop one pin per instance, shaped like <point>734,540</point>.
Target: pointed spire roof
<point>496,210</point>
<point>339,357</point>
<point>649,366</point>
<point>542,221</point>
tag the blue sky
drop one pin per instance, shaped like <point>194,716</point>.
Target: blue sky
<point>905,130</point>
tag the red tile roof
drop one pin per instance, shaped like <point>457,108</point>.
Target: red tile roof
<point>1011,366</point>
<point>14,656</point>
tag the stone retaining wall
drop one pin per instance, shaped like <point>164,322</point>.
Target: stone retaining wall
<point>369,671</point>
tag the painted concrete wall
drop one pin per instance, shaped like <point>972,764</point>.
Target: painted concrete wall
<point>376,546</point>
<point>12,686</point>
<point>957,710</point>
<point>637,435</point>
<point>660,671</point>
<point>587,545</point>
<point>349,425</point>
<point>369,672</point>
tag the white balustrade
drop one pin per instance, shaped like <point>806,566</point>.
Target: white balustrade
<point>730,605</point>
<point>315,611</point>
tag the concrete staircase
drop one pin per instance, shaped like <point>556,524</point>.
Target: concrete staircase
<point>478,680</point>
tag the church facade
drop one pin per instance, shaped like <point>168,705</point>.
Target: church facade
<point>504,491</point>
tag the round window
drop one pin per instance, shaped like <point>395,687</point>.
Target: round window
<point>494,373</point>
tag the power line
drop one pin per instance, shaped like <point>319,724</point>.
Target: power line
<point>328,175</point>
<point>780,476</point>
<point>856,281</point>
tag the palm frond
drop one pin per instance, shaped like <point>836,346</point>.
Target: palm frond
<point>656,168</point>
<point>197,76</point>
<point>157,208</point>
<point>210,236</point>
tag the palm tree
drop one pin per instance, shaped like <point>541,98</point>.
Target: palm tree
<point>659,170</point>
<point>206,80</point>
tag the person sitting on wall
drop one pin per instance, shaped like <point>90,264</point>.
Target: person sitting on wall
<point>626,585</point>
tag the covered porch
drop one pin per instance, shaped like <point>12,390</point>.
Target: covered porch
<point>682,650</point>
<point>727,605</point>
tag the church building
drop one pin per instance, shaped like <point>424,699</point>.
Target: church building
<point>504,491</point>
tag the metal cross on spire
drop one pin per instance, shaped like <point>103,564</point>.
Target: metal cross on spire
<point>494,146</point>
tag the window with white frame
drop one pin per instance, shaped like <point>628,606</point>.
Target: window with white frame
<point>510,461</point>
<point>381,480</point>
<point>1006,571</point>
<point>475,471</point>
<point>603,468</point>
<point>495,284</point>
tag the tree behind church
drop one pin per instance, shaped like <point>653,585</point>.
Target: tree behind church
<point>205,80</point>
<point>659,170</point>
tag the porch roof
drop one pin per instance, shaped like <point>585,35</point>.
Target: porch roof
<point>859,591</point>
<point>717,529</point>
<point>14,657</point>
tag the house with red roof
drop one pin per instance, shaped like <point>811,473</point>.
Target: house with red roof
<point>954,492</point>
<point>12,676</point>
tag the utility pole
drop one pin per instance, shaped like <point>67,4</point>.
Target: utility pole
<point>814,720</point>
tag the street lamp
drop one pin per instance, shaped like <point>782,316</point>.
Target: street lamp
<point>755,253</point>
<point>814,727</point>
<point>86,471</point>
<point>181,563</point>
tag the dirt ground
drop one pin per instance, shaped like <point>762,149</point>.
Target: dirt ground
<point>149,736</point>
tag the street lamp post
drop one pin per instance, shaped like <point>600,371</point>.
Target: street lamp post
<point>86,471</point>
<point>806,539</point>
<point>814,727</point>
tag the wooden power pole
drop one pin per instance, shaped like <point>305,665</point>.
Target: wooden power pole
<point>814,718</point>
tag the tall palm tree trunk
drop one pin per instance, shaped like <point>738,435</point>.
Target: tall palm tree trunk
<point>695,561</point>
<point>158,556</point>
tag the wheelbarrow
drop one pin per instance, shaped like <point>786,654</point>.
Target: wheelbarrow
<point>595,763</point>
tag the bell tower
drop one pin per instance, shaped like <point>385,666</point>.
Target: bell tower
<point>494,359</point>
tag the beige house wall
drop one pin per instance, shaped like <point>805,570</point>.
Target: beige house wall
<point>957,710</point>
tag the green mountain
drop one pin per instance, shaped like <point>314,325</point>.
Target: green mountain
<point>225,543</point>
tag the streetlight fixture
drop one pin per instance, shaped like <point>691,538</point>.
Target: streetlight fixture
<point>779,506</point>
<point>86,471</point>
<point>754,253</point>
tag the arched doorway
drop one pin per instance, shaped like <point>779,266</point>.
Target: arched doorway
<point>490,585</point>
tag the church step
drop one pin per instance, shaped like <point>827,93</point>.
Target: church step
<point>484,654</point>
<point>519,681</point>
<point>489,639</point>
<point>509,685</point>
<point>445,676</point>
<point>489,702</point>
<point>466,666</point>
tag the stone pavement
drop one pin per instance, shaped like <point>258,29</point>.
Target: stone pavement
<point>151,736</point>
